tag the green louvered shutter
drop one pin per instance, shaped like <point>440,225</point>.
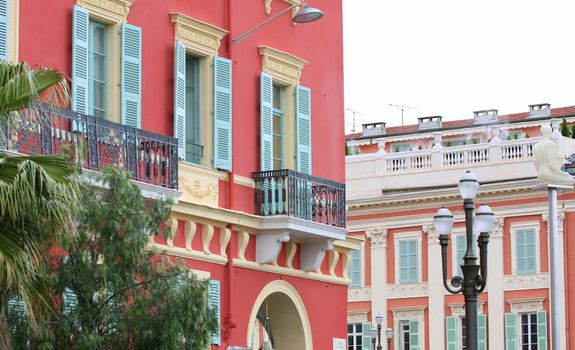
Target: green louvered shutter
<point>355,269</point>
<point>530,253</point>
<point>403,262</point>
<point>180,97</point>
<point>460,247</point>
<point>69,301</point>
<point>80,24</point>
<point>4,30</point>
<point>413,261</point>
<point>266,122</point>
<point>303,129</point>
<point>482,332</point>
<point>541,330</point>
<point>131,75</point>
<point>414,335</point>
<point>214,303</point>
<point>366,336</point>
<point>510,331</point>
<point>222,113</point>
<point>451,332</point>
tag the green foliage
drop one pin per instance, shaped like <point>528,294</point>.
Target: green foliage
<point>347,152</point>
<point>573,131</point>
<point>113,293</point>
<point>565,129</point>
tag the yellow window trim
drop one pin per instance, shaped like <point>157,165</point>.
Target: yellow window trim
<point>113,13</point>
<point>13,30</point>
<point>202,40</point>
<point>286,70</point>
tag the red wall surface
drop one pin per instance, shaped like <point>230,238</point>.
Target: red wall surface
<point>45,39</point>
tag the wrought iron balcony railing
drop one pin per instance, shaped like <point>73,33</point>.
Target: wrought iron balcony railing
<point>288,192</point>
<point>94,143</point>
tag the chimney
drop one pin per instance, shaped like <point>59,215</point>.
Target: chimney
<point>374,129</point>
<point>485,116</point>
<point>431,122</point>
<point>540,110</point>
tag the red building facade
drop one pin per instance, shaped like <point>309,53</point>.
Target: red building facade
<point>283,253</point>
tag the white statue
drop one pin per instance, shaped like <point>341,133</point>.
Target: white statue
<point>545,154</point>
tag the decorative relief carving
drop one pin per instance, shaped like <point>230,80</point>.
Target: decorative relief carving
<point>526,305</point>
<point>560,219</point>
<point>359,294</point>
<point>199,37</point>
<point>432,236</point>
<point>459,309</point>
<point>357,317</point>
<point>406,290</point>
<point>197,189</point>
<point>407,313</point>
<point>378,237</point>
<point>268,6</point>
<point>497,231</point>
<point>116,10</point>
<point>282,66</point>
<point>532,281</point>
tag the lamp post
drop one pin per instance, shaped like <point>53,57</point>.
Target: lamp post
<point>474,276</point>
<point>389,335</point>
<point>379,321</point>
<point>373,334</point>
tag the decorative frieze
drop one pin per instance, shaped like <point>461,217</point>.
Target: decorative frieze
<point>282,66</point>
<point>359,294</point>
<point>526,305</point>
<point>357,317</point>
<point>199,37</point>
<point>378,237</point>
<point>115,10</point>
<point>459,309</point>
<point>406,290</point>
<point>531,281</point>
<point>407,313</point>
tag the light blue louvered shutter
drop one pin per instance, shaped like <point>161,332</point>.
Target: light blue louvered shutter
<point>355,270</point>
<point>481,332</point>
<point>80,24</point>
<point>214,303</point>
<point>414,335</point>
<point>131,75</point>
<point>222,113</point>
<point>530,254</point>
<point>366,336</point>
<point>266,122</point>
<point>542,330</point>
<point>69,301</point>
<point>403,262</point>
<point>4,30</point>
<point>413,261</point>
<point>460,247</point>
<point>451,332</point>
<point>180,97</point>
<point>510,331</point>
<point>520,251</point>
<point>303,129</point>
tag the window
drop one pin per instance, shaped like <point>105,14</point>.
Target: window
<point>459,247</point>
<point>408,261</point>
<point>404,335</point>
<point>401,147</point>
<point>97,69</point>
<point>525,251</point>
<point>463,343</point>
<point>355,269</point>
<point>528,333</point>
<point>456,332</point>
<point>278,127</point>
<point>354,335</point>
<point>194,148</point>
<point>408,337</point>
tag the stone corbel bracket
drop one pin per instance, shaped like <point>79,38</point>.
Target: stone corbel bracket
<point>268,245</point>
<point>312,254</point>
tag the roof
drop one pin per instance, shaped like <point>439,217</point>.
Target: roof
<point>453,124</point>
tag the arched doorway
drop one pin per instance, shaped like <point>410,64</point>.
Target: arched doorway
<point>280,318</point>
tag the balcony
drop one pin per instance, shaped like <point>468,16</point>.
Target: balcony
<point>300,208</point>
<point>150,158</point>
<point>370,174</point>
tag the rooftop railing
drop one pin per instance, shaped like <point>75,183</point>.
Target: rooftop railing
<point>94,143</point>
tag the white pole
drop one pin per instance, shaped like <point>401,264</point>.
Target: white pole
<point>556,310</point>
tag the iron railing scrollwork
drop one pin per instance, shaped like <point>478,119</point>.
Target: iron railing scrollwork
<point>94,143</point>
<point>288,192</point>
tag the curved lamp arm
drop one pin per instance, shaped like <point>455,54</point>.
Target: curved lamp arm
<point>482,243</point>
<point>456,283</point>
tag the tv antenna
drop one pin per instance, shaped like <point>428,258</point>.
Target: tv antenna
<point>354,112</point>
<point>402,108</point>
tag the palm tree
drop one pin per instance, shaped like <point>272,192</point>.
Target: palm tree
<point>37,196</point>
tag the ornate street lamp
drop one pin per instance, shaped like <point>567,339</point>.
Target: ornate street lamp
<point>379,321</point>
<point>389,335</point>
<point>472,283</point>
<point>373,334</point>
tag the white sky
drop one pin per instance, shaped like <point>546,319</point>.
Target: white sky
<point>452,57</point>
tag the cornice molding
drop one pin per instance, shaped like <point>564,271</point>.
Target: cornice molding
<point>283,67</point>
<point>111,10</point>
<point>526,305</point>
<point>199,37</point>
